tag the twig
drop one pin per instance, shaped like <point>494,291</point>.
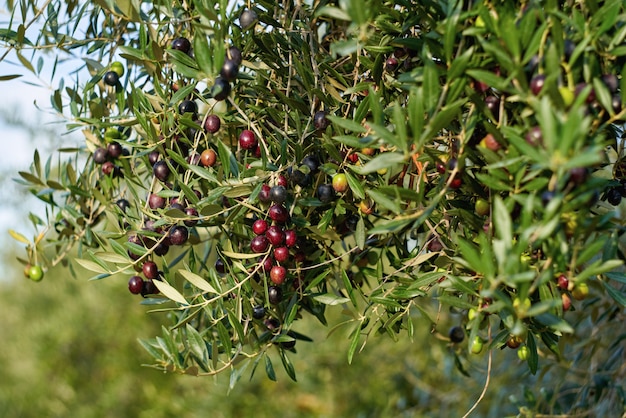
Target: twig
<point>482,395</point>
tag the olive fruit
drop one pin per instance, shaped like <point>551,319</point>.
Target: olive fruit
<point>193,214</point>
<point>188,106</point>
<point>320,121</point>
<point>220,266</point>
<point>117,67</point>
<point>111,78</point>
<point>264,194</point>
<point>275,235</point>
<point>178,235</point>
<point>230,70</point>
<point>281,254</point>
<point>278,194</point>
<point>114,150</point>
<point>278,274</point>
<point>340,183</point>
<point>278,213</point>
<point>161,170</point>
<point>123,204</point>
<point>325,193</point>
<point>212,123</point>
<point>274,294</point>
<point>259,227</point>
<point>247,140</point>
<point>391,64</point>
<point>220,89</point>
<point>259,244</point>
<point>135,285</point>
<point>312,162</point>
<point>208,158</point>
<point>614,196</point>
<point>35,273</point>
<point>580,291</point>
<point>156,202</point>
<point>258,312</point>
<point>100,155</point>
<point>291,238</point>
<point>456,334</point>
<point>477,345</point>
<point>247,18</point>
<point>523,353</point>
<point>234,54</point>
<point>481,207</point>
<point>150,270</point>
<point>536,83</point>
<point>181,44</point>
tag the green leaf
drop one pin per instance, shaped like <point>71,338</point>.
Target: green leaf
<point>183,64</point>
<point>460,63</point>
<point>30,178</point>
<point>384,201</point>
<point>91,265</point>
<point>128,9</point>
<point>197,281</point>
<point>354,342</point>
<point>179,96</point>
<point>291,372</point>
<point>598,267</point>
<point>19,237</point>
<point>113,258</point>
<point>555,322</point>
<point>393,225</point>
<point>269,368</point>
<point>617,276</point>
<point>440,120</point>
<point>333,12</point>
<point>502,221</point>
<point>384,160</point>
<point>347,124</point>
<point>451,31</point>
<point>533,357</point>
<point>455,301</point>
<point>203,173</point>
<point>463,286</point>
<point>202,53</point>
<point>9,77</point>
<point>356,186</point>
<point>239,256</point>
<point>431,86</point>
<point>331,299</point>
<point>170,292</point>
<point>360,234</point>
<point>590,250</point>
<point>196,343</point>
<point>617,295</point>
<point>470,254</point>
<point>26,63</point>
<point>488,77</point>
<point>238,191</point>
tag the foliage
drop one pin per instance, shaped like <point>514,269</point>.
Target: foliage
<point>479,142</point>
<point>76,358</point>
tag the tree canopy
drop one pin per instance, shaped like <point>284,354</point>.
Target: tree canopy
<point>245,165</point>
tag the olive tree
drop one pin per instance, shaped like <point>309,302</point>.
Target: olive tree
<point>247,165</point>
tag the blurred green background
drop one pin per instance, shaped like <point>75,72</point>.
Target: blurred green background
<point>69,348</point>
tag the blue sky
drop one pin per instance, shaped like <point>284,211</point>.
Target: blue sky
<point>23,99</point>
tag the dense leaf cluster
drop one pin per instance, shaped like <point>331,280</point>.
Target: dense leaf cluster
<point>464,152</point>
